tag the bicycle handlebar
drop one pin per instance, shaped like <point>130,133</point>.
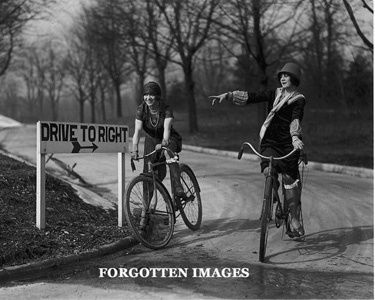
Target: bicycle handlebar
<point>260,155</point>
<point>169,151</point>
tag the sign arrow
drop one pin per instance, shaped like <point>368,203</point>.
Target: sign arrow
<point>77,147</point>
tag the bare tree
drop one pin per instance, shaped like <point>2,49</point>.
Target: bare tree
<point>104,87</point>
<point>54,78</point>
<point>134,34</point>
<point>106,22</point>
<point>189,23</point>
<point>28,72</point>
<point>214,73</point>
<point>161,42</point>
<point>266,31</point>
<point>14,15</point>
<point>28,65</point>
<point>327,35</point>
<point>10,97</point>
<point>76,70</point>
<point>349,9</point>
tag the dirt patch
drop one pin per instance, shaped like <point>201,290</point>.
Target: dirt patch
<point>72,226</point>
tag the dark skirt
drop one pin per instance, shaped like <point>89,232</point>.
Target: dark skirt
<point>175,144</point>
<point>287,166</point>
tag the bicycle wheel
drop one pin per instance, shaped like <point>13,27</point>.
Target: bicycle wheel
<point>190,207</point>
<point>149,212</point>
<point>265,218</point>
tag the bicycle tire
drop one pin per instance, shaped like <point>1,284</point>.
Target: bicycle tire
<point>191,207</point>
<point>265,218</point>
<point>154,226</point>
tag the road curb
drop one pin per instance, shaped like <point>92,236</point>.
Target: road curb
<point>20,271</point>
<point>333,168</point>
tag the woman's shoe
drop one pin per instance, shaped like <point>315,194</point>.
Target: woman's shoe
<point>296,228</point>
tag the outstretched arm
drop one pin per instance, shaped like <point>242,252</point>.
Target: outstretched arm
<point>242,97</point>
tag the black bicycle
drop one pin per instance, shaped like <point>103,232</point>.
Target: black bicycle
<point>149,209</point>
<point>271,196</point>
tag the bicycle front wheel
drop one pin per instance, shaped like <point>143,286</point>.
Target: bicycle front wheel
<point>190,207</point>
<point>265,218</point>
<point>149,212</point>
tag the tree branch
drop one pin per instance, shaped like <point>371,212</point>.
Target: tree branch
<point>354,21</point>
<point>365,5</point>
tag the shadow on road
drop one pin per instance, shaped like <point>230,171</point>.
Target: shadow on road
<point>217,228</point>
<point>326,244</point>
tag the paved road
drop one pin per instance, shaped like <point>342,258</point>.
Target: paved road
<point>335,261</point>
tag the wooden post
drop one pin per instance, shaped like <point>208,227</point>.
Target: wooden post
<point>40,182</point>
<point>121,189</point>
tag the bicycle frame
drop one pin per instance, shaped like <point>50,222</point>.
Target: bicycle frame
<point>270,159</point>
<point>270,193</point>
<point>152,172</point>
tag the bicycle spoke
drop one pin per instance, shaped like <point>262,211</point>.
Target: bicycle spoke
<point>149,212</point>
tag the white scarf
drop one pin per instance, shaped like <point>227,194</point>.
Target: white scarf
<point>279,102</point>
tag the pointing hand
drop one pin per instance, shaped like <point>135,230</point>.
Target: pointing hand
<point>218,98</point>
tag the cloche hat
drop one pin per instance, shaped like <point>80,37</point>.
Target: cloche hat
<point>292,70</point>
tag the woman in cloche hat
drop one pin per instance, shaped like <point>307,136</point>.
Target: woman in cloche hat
<point>280,133</point>
<point>156,118</point>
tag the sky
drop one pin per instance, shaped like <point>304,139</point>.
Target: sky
<point>56,25</point>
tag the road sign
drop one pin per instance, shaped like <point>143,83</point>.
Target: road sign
<point>59,137</point>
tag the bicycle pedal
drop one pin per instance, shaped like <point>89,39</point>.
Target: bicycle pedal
<point>299,239</point>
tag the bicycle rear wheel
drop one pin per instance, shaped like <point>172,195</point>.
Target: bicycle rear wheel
<point>265,218</point>
<point>190,207</point>
<point>149,212</point>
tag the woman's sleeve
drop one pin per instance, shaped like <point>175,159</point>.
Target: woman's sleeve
<point>243,98</point>
<point>168,112</point>
<point>297,116</point>
<point>139,113</point>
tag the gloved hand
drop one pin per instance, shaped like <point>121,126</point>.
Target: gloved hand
<point>221,97</point>
<point>297,143</point>
<point>134,155</point>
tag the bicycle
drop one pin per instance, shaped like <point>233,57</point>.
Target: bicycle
<point>149,209</point>
<point>271,196</point>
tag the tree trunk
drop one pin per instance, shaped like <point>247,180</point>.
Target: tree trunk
<point>41,108</point>
<point>139,92</point>
<point>92,104</point>
<point>118,98</point>
<point>262,107</point>
<point>54,110</point>
<point>189,85</point>
<point>260,59</point>
<point>163,85</point>
<point>81,110</point>
<point>102,104</point>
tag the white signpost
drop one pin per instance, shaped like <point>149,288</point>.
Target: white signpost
<point>59,137</point>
